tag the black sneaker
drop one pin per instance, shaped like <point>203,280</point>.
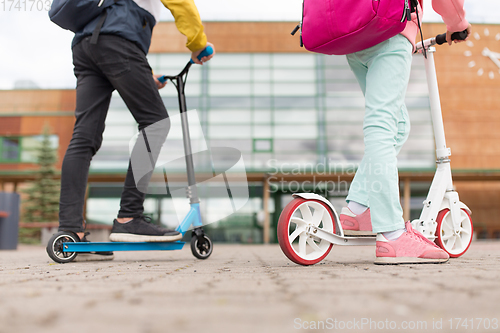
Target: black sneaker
<point>140,229</point>
<point>93,256</point>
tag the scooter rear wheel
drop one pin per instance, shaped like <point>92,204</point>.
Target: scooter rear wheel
<point>55,247</point>
<point>294,242</point>
<point>454,242</point>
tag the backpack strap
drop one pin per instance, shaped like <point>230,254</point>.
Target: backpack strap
<point>97,30</point>
<point>413,5</point>
<point>98,27</point>
<point>414,8</point>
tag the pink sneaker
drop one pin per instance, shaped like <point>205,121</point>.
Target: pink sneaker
<point>410,248</point>
<point>353,224</point>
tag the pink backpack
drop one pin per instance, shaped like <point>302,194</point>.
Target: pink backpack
<point>345,26</point>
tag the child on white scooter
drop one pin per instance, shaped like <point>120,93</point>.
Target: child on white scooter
<point>374,205</point>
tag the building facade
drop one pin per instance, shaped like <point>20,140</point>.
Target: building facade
<point>296,117</point>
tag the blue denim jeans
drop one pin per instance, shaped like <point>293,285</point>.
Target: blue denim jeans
<point>382,72</point>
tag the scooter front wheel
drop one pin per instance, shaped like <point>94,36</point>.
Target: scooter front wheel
<point>201,247</point>
<point>455,242</point>
<point>299,247</point>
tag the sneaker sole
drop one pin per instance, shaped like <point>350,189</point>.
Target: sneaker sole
<point>358,233</point>
<point>82,257</point>
<point>143,238</point>
<point>407,260</point>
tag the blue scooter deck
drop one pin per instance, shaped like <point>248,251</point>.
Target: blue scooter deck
<point>121,246</point>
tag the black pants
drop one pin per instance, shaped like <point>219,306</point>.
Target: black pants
<point>112,63</point>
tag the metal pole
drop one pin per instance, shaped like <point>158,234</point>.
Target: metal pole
<point>187,142</point>
<point>437,117</point>
<point>267,223</point>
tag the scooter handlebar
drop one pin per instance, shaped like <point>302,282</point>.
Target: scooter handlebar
<point>205,53</point>
<point>461,35</point>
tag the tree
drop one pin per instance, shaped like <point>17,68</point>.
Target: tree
<point>42,202</point>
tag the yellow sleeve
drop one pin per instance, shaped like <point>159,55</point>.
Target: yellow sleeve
<point>188,22</point>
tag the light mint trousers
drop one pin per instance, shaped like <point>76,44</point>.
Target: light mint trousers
<point>383,72</point>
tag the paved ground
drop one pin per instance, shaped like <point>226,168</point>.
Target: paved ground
<point>248,289</point>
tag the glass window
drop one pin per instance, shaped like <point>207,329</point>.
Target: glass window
<point>245,100</point>
<point>191,89</point>
<point>295,116</point>
<point>24,149</point>
<point>341,86</point>
<point>262,102</point>
<point>343,130</point>
<point>262,89</point>
<point>119,132</point>
<point>293,61</point>
<point>242,145</point>
<point>295,131</point>
<point>418,87</point>
<point>261,60</point>
<point>260,160</point>
<point>10,149</point>
<point>121,116</point>
<point>195,73</point>
<point>295,145</point>
<point>352,145</point>
<point>173,60</point>
<point>229,89</point>
<point>153,59</point>
<point>420,116</point>
<point>295,161</point>
<point>172,103</point>
<point>339,74</point>
<point>261,116</point>
<point>294,75</point>
<point>346,116</point>
<point>229,131</point>
<point>230,60</point>
<point>294,89</point>
<point>229,102</point>
<point>347,100</point>
<point>261,75</point>
<point>229,75</point>
<point>229,116</point>
<point>262,131</point>
<point>263,145</point>
<point>293,102</point>
<point>335,61</point>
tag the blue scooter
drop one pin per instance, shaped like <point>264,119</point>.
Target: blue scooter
<point>64,246</point>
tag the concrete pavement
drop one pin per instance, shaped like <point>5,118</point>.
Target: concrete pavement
<point>248,288</point>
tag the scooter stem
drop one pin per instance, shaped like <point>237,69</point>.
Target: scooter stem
<point>188,153</point>
<point>442,151</point>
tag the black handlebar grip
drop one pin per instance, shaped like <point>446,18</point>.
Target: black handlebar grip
<point>461,35</point>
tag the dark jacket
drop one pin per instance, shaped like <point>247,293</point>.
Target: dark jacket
<point>125,19</point>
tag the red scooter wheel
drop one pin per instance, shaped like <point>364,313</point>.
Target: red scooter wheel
<point>455,242</point>
<point>299,247</point>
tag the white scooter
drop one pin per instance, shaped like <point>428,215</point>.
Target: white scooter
<point>444,219</point>
<point>309,226</point>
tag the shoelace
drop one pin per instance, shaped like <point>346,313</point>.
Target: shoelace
<point>418,236</point>
<point>146,218</point>
<point>149,219</point>
<point>84,238</point>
